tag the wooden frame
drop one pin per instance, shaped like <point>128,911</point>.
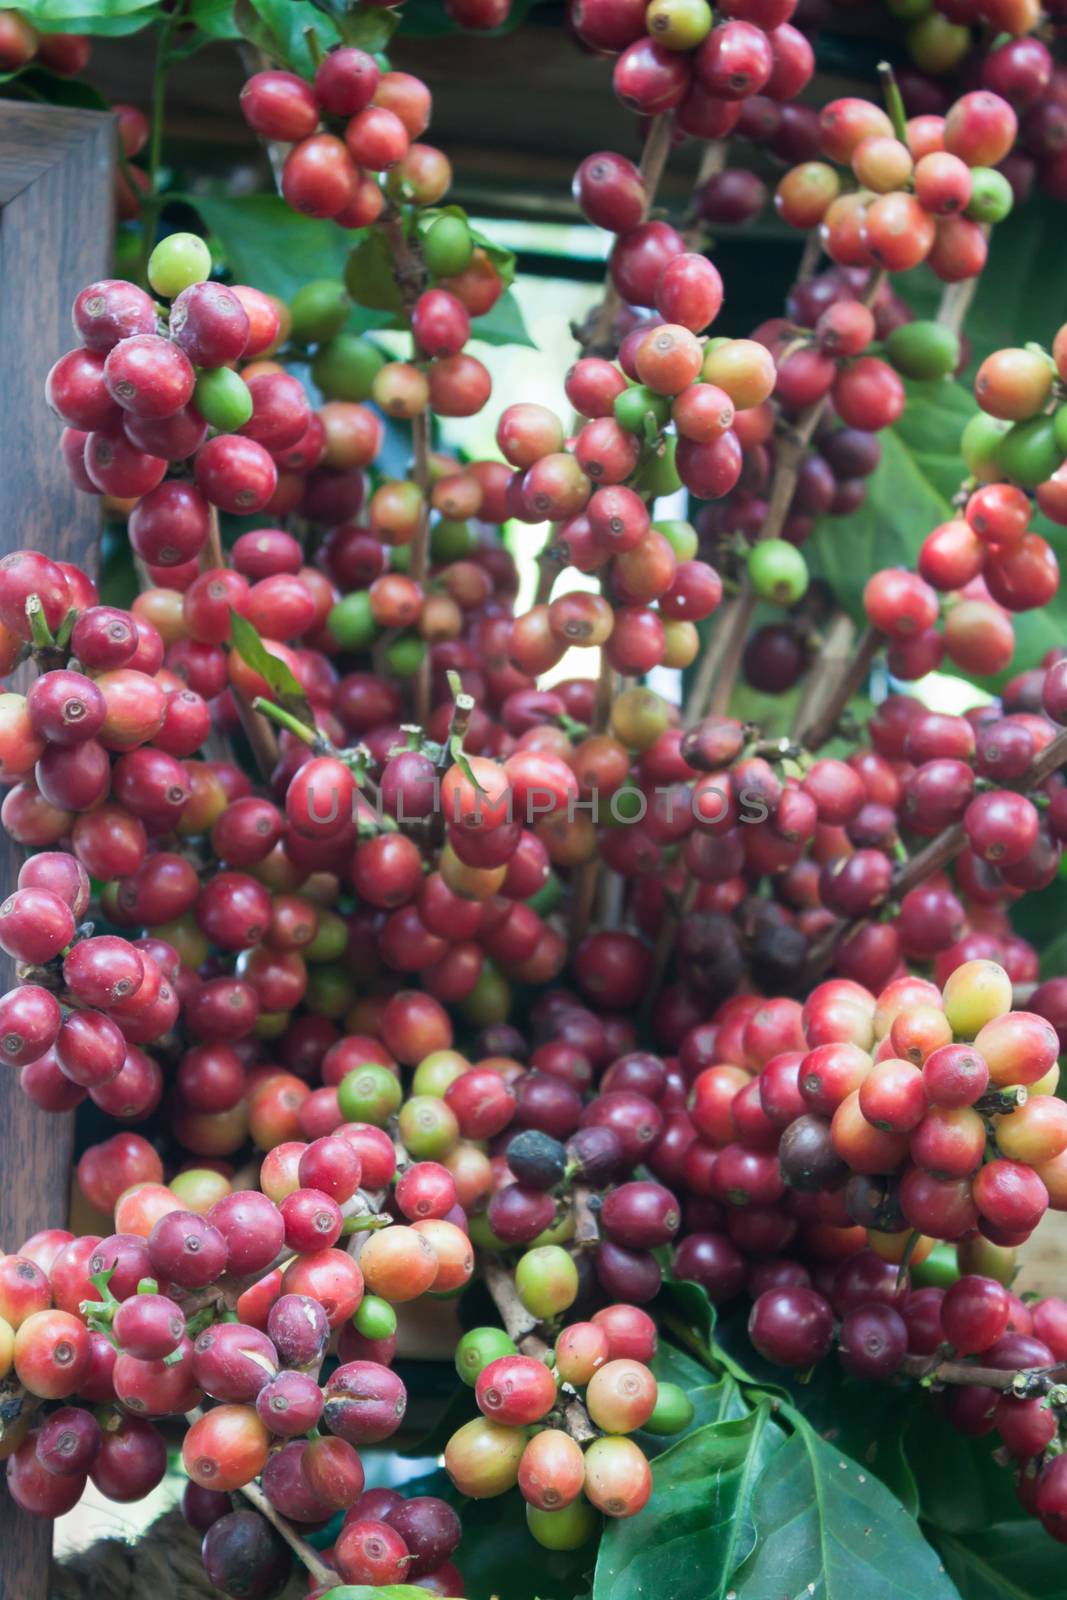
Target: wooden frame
<point>56,218</point>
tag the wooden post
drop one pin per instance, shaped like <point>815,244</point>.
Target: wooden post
<point>57,178</point>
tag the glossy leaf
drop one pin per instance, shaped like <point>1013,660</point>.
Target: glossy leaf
<point>908,495</point>
<point>99,18</point>
<point>279,29</point>
<point>1008,1561</point>
<point>503,324</point>
<point>698,1528</point>
<point>867,1421</point>
<point>266,243</point>
<point>830,1529</point>
<point>284,686</point>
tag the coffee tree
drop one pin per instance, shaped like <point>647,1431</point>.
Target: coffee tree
<point>700,1043</point>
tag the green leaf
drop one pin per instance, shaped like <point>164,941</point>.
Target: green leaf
<point>279,29</point>
<point>1008,1561</point>
<point>55,14</point>
<point>697,1528</point>
<point>266,243</point>
<point>1020,292</point>
<point>370,28</point>
<point>284,686</point>
<point>867,1421</point>
<point>503,324</point>
<point>907,495</point>
<point>214,18</point>
<point>368,274</point>
<point>828,1529</point>
<point>37,84</point>
<point>100,18</point>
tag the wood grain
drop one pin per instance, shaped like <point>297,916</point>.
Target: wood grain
<point>56,184</point>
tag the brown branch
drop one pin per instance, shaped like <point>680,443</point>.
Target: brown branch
<point>835,649</point>
<point>661,958</point>
<point>712,163</point>
<point>956,302</point>
<point>518,1323</point>
<point>314,1563</point>
<point>211,556</point>
<point>586,1227</point>
<point>1028,1382</point>
<point>848,683</point>
<point>259,733</point>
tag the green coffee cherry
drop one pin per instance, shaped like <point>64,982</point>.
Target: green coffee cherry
<point>375,1318</point>
<point>318,310</point>
<point>447,247</point>
<point>681,536</point>
<point>992,196</point>
<point>477,1348</point>
<point>777,571</point>
<point>177,261</point>
<point>1028,452</point>
<point>489,1000</point>
<point>437,1071</point>
<point>344,369</point>
<point>936,45</point>
<point>678,24</point>
<point>428,1128</point>
<point>369,1094</point>
<point>673,1410</point>
<point>979,444</point>
<point>223,399</point>
<point>451,541</point>
<point>331,938</point>
<point>330,992</point>
<point>405,655</point>
<point>634,405</point>
<point>547,1281</point>
<point>352,623</point>
<point>548,897</point>
<point>923,350</point>
<point>563,1530</point>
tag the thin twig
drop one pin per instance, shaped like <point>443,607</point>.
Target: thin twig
<point>661,957</point>
<point>518,1323</point>
<point>848,683</point>
<point>300,1547</point>
<point>834,651</point>
<point>259,734</point>
<point>1028,1381</point>
<point>955,303</point>
<point>211,556</point>
<point>712,163</point>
